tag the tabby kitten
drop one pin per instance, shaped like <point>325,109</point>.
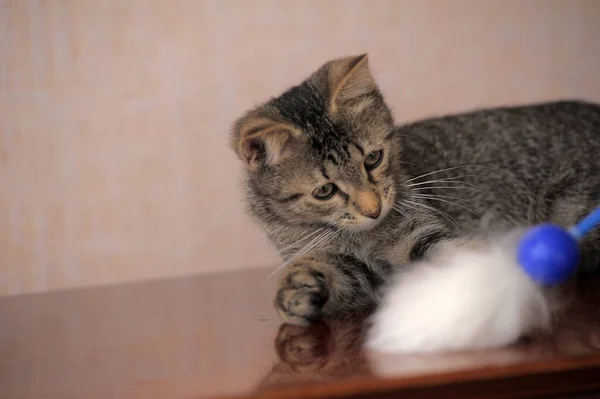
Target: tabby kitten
<point>350,200</point>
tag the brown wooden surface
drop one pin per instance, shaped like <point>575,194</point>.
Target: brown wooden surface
<point>211,336</point>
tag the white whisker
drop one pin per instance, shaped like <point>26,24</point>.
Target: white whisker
<point>444,179</point>
<point>301,250</point>
<point>408,206</point>
<point>473,186</point>
<point>444,214</point>
<point>442,170</point>
<point>401,211</point>
<point>323,238</point>
<point>295,243</point>
<point>327,239</point>
<point>440,196</point>
<point>447,182</point>
<point>404,212</point>
<point>446,201</point>
<point>439,187</point>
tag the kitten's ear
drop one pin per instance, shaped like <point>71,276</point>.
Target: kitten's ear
<point>349,78</point>
<point>263,141</point>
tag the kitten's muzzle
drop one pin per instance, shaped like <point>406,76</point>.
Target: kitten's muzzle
<point>368,204</point>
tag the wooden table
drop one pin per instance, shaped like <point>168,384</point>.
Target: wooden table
<point>210,336</point>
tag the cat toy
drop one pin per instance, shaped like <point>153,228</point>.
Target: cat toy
<point>550,254</point>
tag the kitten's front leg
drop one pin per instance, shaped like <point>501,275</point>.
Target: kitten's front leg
<point>323,284</point>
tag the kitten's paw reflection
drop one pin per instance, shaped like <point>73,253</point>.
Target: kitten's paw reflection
<point>301,296</point>
<point>319,352</point>
<point>304,348</point>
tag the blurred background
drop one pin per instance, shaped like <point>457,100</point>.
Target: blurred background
<point>114,115</point>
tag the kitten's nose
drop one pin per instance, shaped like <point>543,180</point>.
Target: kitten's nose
<point>373,213</point>
<point>368,204</point>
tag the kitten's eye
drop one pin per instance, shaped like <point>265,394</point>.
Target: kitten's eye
<point>373,159</point>
<point>325,192</point>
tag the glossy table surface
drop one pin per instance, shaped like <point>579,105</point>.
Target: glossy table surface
<point>217,335</point>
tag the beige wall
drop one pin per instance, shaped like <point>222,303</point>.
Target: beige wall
<point>114,114</point>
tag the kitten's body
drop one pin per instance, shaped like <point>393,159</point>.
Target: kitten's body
<point>531,162</point>
<point>446,180</point>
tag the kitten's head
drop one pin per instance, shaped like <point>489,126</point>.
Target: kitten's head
<point>324,151</point>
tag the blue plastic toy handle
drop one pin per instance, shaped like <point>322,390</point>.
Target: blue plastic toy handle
<point>588,223</point>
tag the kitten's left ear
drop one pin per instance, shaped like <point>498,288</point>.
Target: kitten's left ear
<point>260,140</point>
<point>349,78</point>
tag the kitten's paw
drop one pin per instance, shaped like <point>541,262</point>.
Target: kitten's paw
<point>463,298</point>
<point>301,296</point>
